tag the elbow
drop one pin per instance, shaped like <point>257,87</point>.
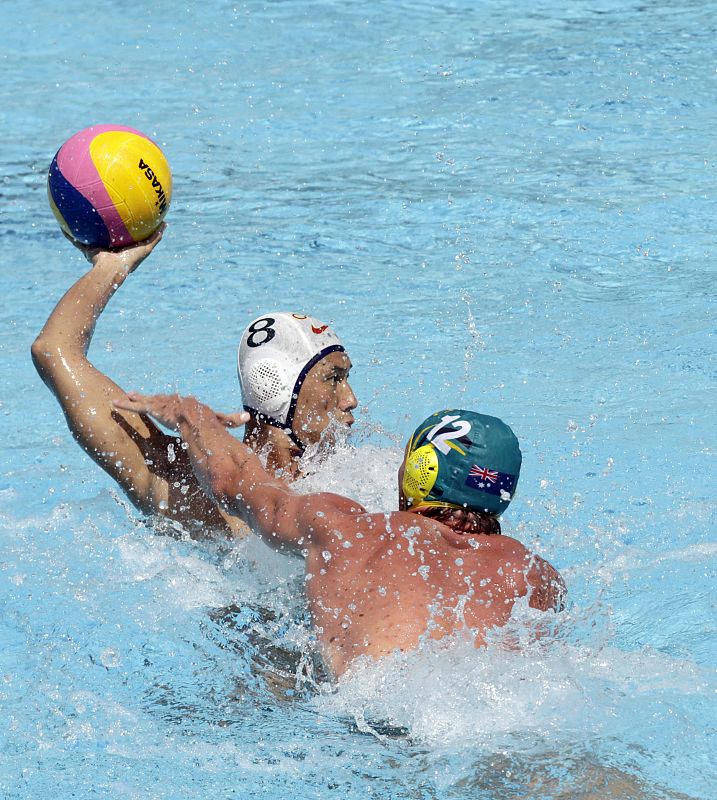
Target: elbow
<point>41,355</point>
<point>553,599</point>
<point>548,591</point>
<point>49,354</point>
<point>221,491</point>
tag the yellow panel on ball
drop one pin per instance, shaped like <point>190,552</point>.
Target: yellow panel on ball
<point>137,177</point>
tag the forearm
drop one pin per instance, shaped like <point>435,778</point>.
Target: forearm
<point>223,465</point>
<point>68,330</point>
<point>226,469</point>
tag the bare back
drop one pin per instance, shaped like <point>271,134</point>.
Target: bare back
<point>384,581</point>
<point>375,582</point>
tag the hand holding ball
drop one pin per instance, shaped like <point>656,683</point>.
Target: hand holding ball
<point>109,186</point>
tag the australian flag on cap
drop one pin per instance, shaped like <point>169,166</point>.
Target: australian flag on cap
<point>490,481</point>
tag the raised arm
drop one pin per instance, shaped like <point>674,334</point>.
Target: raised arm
<point>132,449</point>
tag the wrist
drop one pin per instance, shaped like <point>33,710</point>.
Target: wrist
<point>194,415</point>
<point>111,266</point>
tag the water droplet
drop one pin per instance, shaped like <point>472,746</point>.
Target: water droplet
<point>110,657</point>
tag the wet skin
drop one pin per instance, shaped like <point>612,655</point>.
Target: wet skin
<point>375,582</point>
<point>145,462</point>
<point>325,396</point>
<point>391,579</point>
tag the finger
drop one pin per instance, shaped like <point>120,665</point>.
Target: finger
<point>151,242</point>
<point>231,420</point>
<point>129,405</point>
<point>87,251</point>
<point>133,401</point>
<point>235,420</point>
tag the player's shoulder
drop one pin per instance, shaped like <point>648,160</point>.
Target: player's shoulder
<point>345,505</point>
<point>325,505</point>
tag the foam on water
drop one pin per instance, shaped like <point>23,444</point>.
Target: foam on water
<point>503,206</point>
<point>453,696</point>
<point>208,631</point>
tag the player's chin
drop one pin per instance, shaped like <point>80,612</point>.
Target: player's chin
<point>341,421</point>
<point>338,429</point>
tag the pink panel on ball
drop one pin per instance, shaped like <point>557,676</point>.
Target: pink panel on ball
<point>77,166</point>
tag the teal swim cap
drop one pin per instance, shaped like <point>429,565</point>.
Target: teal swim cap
<point>462,459</point>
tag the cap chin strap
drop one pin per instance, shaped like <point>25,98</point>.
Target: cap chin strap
<point>267,420</point>
<point>334,348</point>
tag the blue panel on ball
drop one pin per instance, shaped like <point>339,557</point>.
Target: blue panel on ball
<point>86,225</point>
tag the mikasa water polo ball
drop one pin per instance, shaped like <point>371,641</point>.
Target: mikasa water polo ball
<point>109,186</point>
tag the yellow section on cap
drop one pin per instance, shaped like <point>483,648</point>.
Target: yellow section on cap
<point>420,474</point>
<point>137,178</point>
<point>435,504</point>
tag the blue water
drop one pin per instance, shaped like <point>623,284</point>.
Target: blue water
<point>501,208</point>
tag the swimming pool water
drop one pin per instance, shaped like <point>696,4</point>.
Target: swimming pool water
<point>497,206</point>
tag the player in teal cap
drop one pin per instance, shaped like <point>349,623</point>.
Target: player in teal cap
<point>461,460</point>
<point>378,583</point>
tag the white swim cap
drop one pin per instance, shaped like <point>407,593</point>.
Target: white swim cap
<point>276,352</point>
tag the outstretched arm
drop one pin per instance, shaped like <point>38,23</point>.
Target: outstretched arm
<point>124,444</point>
<point>234,476</point>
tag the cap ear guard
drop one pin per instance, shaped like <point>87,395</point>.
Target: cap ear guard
<point>420,474</point>
<point>266,385</point>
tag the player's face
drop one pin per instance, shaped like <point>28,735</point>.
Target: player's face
<point>325,396</point>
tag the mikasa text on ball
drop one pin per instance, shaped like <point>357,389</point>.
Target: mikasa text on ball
<point>109,186</point>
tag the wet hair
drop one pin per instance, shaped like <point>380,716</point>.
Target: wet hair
<point>461,520</point>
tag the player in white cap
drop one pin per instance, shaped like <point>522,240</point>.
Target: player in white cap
<point>294,376</point>
<point>293,372</point>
